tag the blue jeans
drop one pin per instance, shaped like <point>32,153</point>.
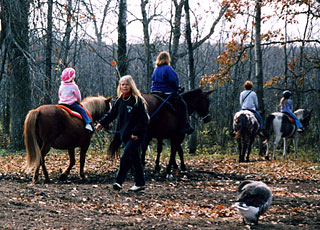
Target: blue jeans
<point>260,118</point>
<point>129,158</point>
<point>296,120</point>
<point>76,107</point>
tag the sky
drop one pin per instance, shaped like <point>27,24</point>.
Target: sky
<point>204,10</point>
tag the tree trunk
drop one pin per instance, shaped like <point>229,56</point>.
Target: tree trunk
<point>48,70</point>
<point>146,40</point>
<point>258,64</point>
<point>66,39</point>
<point>20,90</point>
<point>192,75</point>
<point>122,38</point>
<point>176,30</point>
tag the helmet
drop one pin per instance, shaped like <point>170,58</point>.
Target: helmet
<point>286,94</point>
<point>68,75</point>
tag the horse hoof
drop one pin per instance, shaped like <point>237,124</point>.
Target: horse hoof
<point>63,177</point>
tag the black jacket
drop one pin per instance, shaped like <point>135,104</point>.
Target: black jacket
<point>132,118</point>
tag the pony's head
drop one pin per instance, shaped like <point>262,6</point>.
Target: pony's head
<point>304,116</point>
<point>198,101</point>
<point>97,106</point>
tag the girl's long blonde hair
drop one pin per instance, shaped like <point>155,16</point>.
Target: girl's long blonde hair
<point>134,90</point>
<point>283,101</point>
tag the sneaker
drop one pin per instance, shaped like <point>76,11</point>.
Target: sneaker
<point>117,186</point>
<point>89,127</point>
<point>136,188</point>
<point>300,130</point>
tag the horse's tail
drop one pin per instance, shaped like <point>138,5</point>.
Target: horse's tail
<point>243,125</point>
<point>114,145</point>
<point>30,139</point>
<point>269,127</point>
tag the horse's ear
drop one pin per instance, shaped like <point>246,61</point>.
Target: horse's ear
<point>207,92</point>
<point>109,99</point>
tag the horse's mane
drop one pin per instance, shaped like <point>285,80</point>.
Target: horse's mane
<point>95,105</point>
<point>192,93</point>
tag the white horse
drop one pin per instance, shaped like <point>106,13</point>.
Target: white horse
<point>283,126</point>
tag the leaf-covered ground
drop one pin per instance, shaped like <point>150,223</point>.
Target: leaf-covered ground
<point>201,199</point>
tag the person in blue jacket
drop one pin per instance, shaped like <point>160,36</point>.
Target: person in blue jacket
<point>165,81</point>
<point>130,109</point>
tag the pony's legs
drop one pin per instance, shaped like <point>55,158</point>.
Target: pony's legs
<point>159,150</point>
<point>83,152</point>
<point>249,149</point>
<point>241,157</point>
<point>144,147</point>
<point>267,152</point>
<point>275,145</point>
<point>172,160</point>
<point>72,162</point>
<point>244,149</point>
<point>180,152</point>
<point>284,148</point>
<point>44,150</point>
<point>295,144</point>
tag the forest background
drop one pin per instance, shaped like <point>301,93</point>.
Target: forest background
<point>213,44</point>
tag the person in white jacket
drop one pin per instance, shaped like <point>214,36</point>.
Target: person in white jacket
<point>249,101</point>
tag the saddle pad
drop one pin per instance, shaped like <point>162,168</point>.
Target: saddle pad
<point>74,113</point>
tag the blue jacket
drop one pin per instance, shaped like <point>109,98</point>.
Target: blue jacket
<point>164,79</point>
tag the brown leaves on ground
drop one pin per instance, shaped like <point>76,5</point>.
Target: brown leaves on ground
<point>200,199</point>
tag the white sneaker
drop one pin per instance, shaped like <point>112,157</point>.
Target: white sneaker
<point>89,127</point>
<point>300,130</point>
<point>136,188</point>
<point>117,186</point>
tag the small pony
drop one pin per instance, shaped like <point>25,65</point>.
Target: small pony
<point>52,126</point>
<point>245,126</point>
<point>282,126</point>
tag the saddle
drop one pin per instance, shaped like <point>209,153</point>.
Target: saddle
<point>163,98</point>
<point>291,119</point>
<point>73,113</point>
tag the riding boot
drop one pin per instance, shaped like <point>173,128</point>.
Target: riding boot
<point>184,126</point>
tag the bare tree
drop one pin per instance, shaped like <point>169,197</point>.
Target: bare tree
<point>48,68</point>
<point>17,40</point>
<point>122,38</point>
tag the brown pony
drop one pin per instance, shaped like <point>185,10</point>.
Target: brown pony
<point>164,125</point>
<point>52,126</point>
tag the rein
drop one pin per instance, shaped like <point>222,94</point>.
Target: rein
<point>205,116</point>
<point>157,110</point>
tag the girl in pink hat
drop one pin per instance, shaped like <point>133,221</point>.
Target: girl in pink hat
<point>70,95</point>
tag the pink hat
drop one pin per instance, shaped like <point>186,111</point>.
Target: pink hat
<point>68,75</point>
